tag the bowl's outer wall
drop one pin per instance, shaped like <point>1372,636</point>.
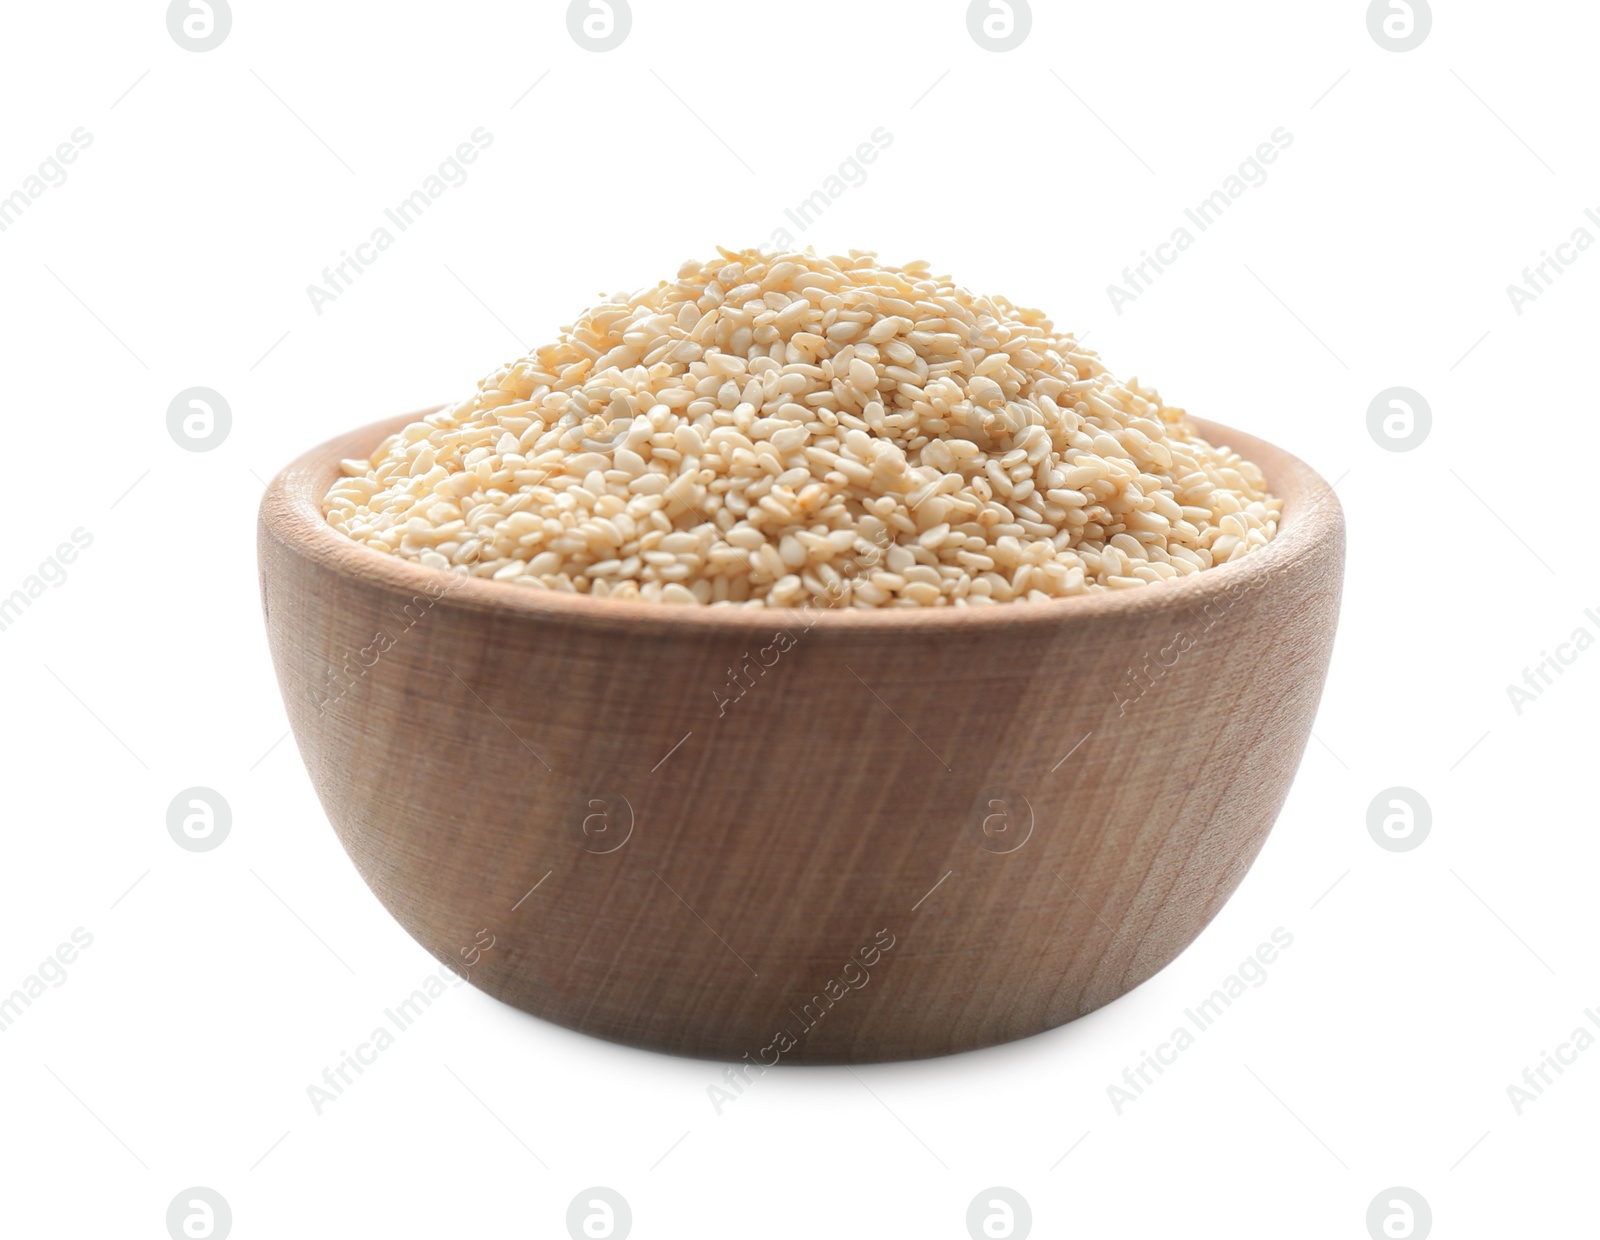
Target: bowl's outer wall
<point>780,841</point>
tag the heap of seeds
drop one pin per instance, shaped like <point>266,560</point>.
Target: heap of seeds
<point>787,430</point>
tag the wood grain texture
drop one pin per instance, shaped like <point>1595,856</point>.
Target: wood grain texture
<point>473,741</point>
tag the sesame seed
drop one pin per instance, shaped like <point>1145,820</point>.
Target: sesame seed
<point>792,429</point>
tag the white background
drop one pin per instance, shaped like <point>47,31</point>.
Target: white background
<point>1377,253</point>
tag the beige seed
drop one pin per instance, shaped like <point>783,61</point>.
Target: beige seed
<point>793,429</point>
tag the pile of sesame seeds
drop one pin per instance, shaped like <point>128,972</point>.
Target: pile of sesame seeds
<point>791,430</point>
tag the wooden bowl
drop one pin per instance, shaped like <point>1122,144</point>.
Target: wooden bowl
<point>776,835</point>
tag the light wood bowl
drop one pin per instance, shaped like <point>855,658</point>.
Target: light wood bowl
<point>541,789</point>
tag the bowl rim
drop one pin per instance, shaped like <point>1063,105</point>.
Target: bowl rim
<point>291,513</point>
